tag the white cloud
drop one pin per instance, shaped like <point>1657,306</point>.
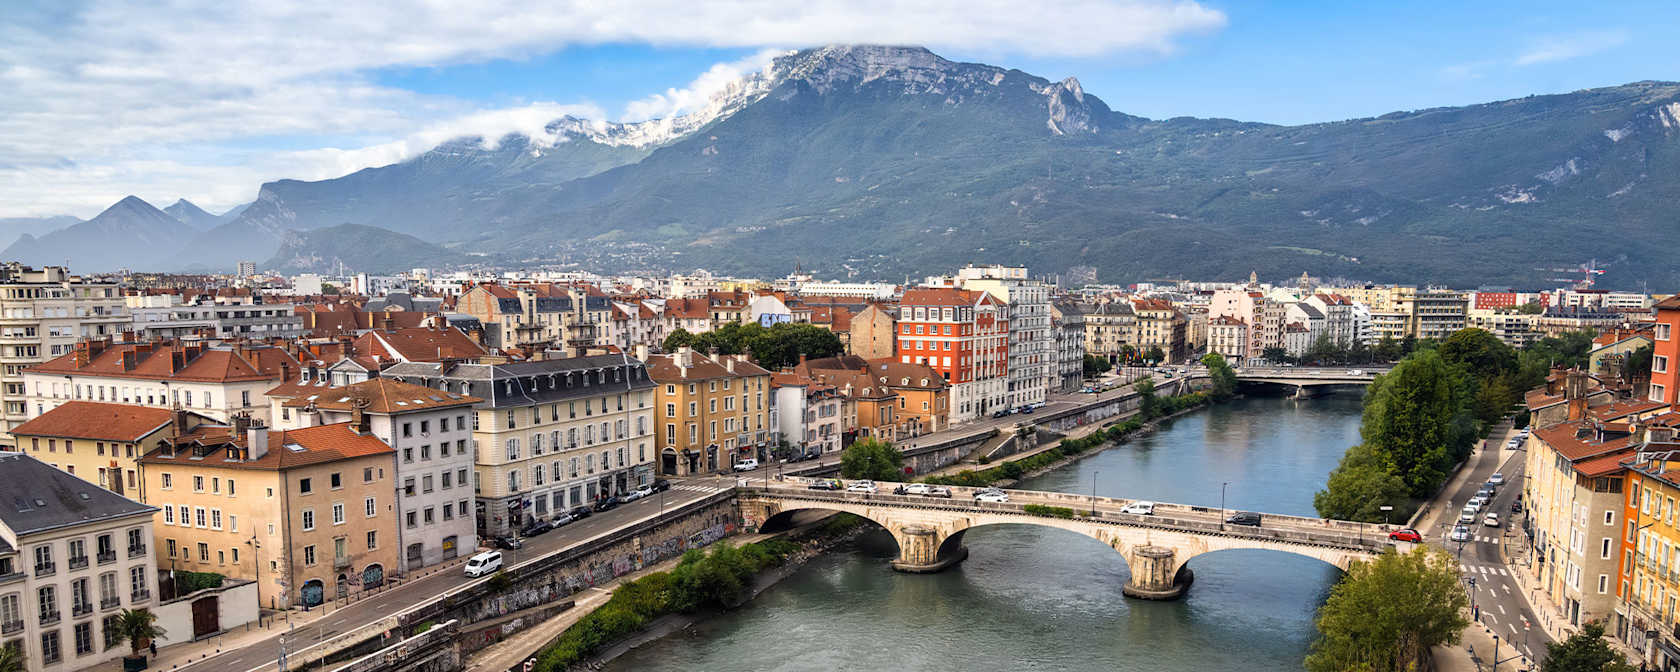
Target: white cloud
<point>673,102</point>
<point>1566,47</point>
<point>206,99</point>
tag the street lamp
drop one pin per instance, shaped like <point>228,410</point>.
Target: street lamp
<point>1387,510</point>
<point>1094,493</point>
<point>1222,505</point>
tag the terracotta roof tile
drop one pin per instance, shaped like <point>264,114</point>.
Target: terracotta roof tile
<point>384,396</point>
<point>96,421</point>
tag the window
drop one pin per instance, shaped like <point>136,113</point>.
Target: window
<point>215,519</point>
<point>1603,583</point>
<point>512,449</point>
<point>1659,364</point>
<point>203,552</point>
<point>367,474</point>
<point>338,513</point>
<point>337,482</point>
<point>304,486</point>
<point>309,554</point>
<point>1604,549</point>
<point>413,519</point>
<point>49,647</point>
<point>430,515</point>
<point>168,515</point>
<point>308,519</point>
<point>167,481</point>
<point>47,601</point>
<point>198,484</point>
<point>369,507</point>
<point>199,517</point>
<point>372,539</point>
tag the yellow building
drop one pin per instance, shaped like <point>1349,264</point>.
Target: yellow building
<point>307,513</point>
<point>710,411</point>
<point>101,443</point>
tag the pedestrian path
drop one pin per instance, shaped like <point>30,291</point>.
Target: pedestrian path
<point>696,487</point>
<point>1483,569</point>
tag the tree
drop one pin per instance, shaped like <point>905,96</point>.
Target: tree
<point>1096,366</point>
<point>1481,353</point>
<point>1275,354</point>
<point>1148,404</point>
<point>1128,354</point>
<point>11,657</point>
<point>1323,351</point>
<point>1636,365</point>
<point>1584,651</point>
<point>677,340</point>
<point>1224,379</point>
<point>1531,308</point>
<point>872,459</point>
<point>1155,354</point>
<point>1359,487</point>
<point>1388,613</point>
<point>1417,420</point>
<point>1388,350</point>
<point>139,628</point>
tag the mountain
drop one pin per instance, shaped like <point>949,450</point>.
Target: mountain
<point>129,234</point>
<point>12,228</point>
<point>363,248</point>
<point>192,215</point>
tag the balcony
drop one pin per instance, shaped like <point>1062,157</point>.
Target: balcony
<point>140,595</point>
<point>136,551</point>
<point>78,562</point>
<point>45,569</point>
<point>10,627</point>
<point>49,617</point>
<point>111,602</point>
<point>82,609</point>
<point>107,557</point>
<point>341,563</point>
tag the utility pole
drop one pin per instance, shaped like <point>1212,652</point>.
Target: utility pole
<point>1222,505</point>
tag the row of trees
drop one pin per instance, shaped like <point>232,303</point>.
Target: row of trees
<point>773,347</point>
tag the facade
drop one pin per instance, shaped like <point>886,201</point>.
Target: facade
<point>217,381</point>
<point>920,396</point>
<point>873,333</point>
<point>43,312</point>
<point>1665,353</point>
<point>165,316</point>
<point>1650,551</point>
<point>1513,329</point>
<point>963,335</point>
<point>710,411</point>
<point>1110,328</point>
<point>72,557</point>
<point>1160,325</point>
<point>807,414</point>
<point>1339,322</point>
<point>549,435</point>
<point>101,443</point>
<point>536,314</point>
<point>1228,336</point>
<point>1244,305</point>
<point>1032,354</point>
<point>1067,324</point>
<point>431,434</point>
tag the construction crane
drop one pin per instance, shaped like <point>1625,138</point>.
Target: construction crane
<point>1587,272</point>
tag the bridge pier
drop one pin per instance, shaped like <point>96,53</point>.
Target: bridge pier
<point>1155,574</point>
<point>921,551</point>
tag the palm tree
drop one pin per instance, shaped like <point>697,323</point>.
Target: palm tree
<point>11,658</point>
<point>138,627</point>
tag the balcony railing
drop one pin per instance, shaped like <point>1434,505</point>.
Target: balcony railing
<point>78,562</point>
<point>10,627</point>
<point>82,609</point>
<point>136,551</point>
<point>140,595</point>
<point>107,557</point>
<point>341,563</point>
<point>49,617</point>
<point>45,568</point>
<point>111,602</point>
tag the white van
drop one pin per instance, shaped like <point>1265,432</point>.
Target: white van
<point>484,563</point>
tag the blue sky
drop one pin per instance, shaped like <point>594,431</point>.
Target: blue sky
<point>100,99</point>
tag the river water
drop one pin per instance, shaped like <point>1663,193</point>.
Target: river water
<point>1032,598</point>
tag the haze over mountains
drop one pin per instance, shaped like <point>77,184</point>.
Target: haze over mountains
<point>892,160</point>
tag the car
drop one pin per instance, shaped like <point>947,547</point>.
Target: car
<point>916,489</point>
<point>1497,479</point>
<point>644,491</point>
<point>992,497</point>
<point>607,503</point>
<point>1476,502</point>
<point>661,485</point>
<point>580,512</point>
<point>507,543</point>
<point>1516,506</point>
<point>1003,413</point>
<point>866,486</point>
<point>562,518</point>
<point>1467,516</point>
<point>483,563</point>
<point>1027,410</point>
<point>939,491</point>
<point>748,464</point>
<point>1491,520</point>
<point>1139,508</point>
<point>1357,372</point>
<point>1406,534</point>
<point>1460,533</point>
<point>631,496</point>
<point>824,484</point>
<point>535,528</point>
<point>1248,518</point>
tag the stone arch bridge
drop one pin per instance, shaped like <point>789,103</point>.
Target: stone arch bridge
<point>1157,547</point>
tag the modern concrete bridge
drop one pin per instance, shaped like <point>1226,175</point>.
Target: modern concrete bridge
<point>1156,547</point>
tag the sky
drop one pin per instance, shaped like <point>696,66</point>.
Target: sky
<point>207,100</point>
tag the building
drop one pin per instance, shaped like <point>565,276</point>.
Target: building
<point>167,316</point>
<point>1110,330</point>
<point>1228,336</point>
<point>99,442</point>
<point>72,557</point>
<point>219,381</point>
<point>807,414</point>
<point>1665,353</point>
<point>309,513</point>
<point>1160,325</point>
<point>431,433</point>
<point>964,336</point>
<point>1611,349</point>
<point>43,312</point>
<point>711,411</point>
<point>1650,551</point>
<point>1067,325</point>
<point>1246,306</point>
<point>536,314</point>
<point>1032,357</point>
<point>551,434</point>
<point>873,333</point>
<point>922,396</point>
<point>1513,329</point>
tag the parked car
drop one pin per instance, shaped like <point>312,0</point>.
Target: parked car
<point>939,491</point>
<point>992,497</point>
<point>563,518</point>
<point>1357,372</point>
<point>507,543</point>
<point>632,496</point>
<point>580,512</point>
<point>1497,479</point>
<point>865,486</point>
<point>1406,534</point>
<point>1476,502</point>
<point>483,563</point>
<point>1516,506</point>
<point>1248,518</point>
<point>1003,413</point>
<point>916,489</point>
<point>607,503</point>
<point>535,528</point>
<point>661,485</point>
<point>1467,516</point>
<point>824,484</point>
<point>1027,410</point>
<point>1491,520</point>
<point>644,491</point>
<point>1459,533</point>
<point>1139,508</point>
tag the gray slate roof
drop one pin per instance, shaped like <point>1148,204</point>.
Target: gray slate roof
<point>531,382</point>
<point>35,497</point>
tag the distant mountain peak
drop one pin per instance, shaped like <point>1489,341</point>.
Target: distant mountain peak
<point>191,215</point>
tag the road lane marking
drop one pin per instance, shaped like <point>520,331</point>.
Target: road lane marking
<point>1502,609</point>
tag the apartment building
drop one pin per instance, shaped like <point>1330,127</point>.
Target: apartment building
<point>1160,325</point>
<point>536,314</point>
<point>1649,585</point>
<point>550,434</point>
<point>1110,328</point>
<point>1067,324</point>
<point>807,414</point>
<point>307,513</point>
<point>711,411</point>
<point>1032,355</point>
<point>43,312</point>
<point>219,381</point>
<point>1665,353</point>
<point>964,335</point>
<point>431,434</point>
<point>921,395</point>
<point>101,442</point>
<point>1228,336</point>
<point>167,316</point>
<point>72,557</point>
<point>873,333</point>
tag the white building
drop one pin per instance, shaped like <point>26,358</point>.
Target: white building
<point>880,291</point>
<point>167,316</point>
<point>806,414</point>
<point>216,381</point>
<point>43,312</point>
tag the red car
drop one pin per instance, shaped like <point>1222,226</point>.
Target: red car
<point>1406,535</point>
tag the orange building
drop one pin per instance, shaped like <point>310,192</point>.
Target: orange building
<point>1665,353</point>
<point>964,336</point>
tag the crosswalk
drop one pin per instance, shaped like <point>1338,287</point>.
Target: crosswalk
<point>705,489</point>
<point>1483,570</point>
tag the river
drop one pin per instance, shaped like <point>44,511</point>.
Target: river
<point>1031,598</point>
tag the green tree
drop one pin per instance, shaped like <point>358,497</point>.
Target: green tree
<point>1096,366</point>
<point>1388,350</point>
<point>1584,651</point>
<point>1149,405</point>
<point>872,459</point>
<point>1480,353</point>
<point>1636,365</point>
<point>1388,613</point>
<point>11,657</point>
<point>1359,487</point>
<point>1417,420</point>
<point>1224,379</point>
<point>139,628</point>
<point>1531,308</point>
<point>678,339</point>
<point>1324,351</point>
<point>1155,354</point>
<point>1276,355</point>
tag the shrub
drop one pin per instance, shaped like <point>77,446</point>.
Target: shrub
<point>1048,511</point>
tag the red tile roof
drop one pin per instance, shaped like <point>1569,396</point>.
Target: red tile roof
<point>941,296</point>
<point>287,449</point>
<point>383,396</point>
<point>96,421</point>
<point>167,361</point>
<point>419,345</point>
<point>1577,441</point>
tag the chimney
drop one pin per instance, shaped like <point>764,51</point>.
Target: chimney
<point>179,416</point>
<point>1575,391</point>
<point>642,352</point>
<point>241,422</point>
<point>729,363</point>
<point>358,416</point>
<point>256,439</point>
<point>685,359</point>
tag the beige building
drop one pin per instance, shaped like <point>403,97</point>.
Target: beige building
<point>1110,326</point>
<point>43,312</point>
<point>100,442</point>
<point>73,556</point>
<point>309,514</point>
<point>710,411</point>
<point>873,333</point>
<point>219,381</point>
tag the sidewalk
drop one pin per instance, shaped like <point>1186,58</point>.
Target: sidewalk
<point>1475,653</point>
